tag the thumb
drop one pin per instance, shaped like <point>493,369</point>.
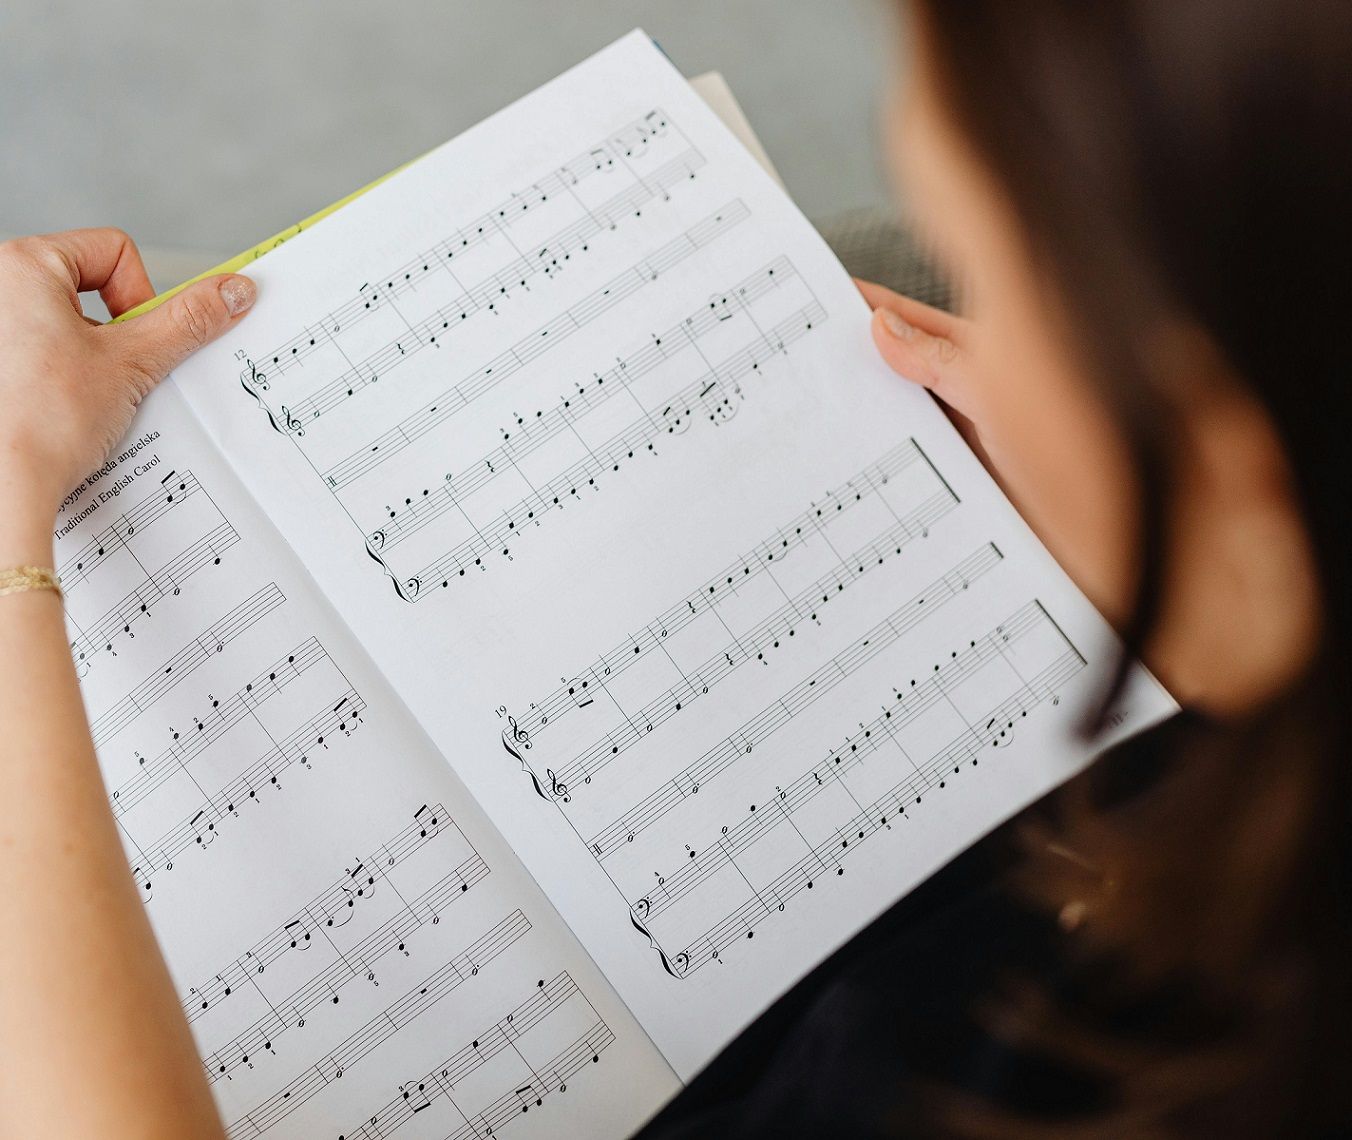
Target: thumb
<point>157,341</point>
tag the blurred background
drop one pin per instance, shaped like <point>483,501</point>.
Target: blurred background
<point>203,128</point>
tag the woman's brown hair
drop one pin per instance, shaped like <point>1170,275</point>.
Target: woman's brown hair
<point>1193,159</point>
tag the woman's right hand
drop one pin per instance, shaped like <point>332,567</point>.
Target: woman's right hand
<point>1050,447</point>
<point>929,346</point>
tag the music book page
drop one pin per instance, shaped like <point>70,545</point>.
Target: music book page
<point>354,945</point>
<point>544,630</point>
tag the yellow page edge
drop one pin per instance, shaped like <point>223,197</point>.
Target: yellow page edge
<point>243,260</point>
<point>711,87</point>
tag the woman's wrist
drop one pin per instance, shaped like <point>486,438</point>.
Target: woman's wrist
<point>25,546</point>
<point>26,521</point>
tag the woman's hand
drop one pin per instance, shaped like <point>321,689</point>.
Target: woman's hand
<point>929,346</point>
<point>68,385</point>
<point>1054,449</point>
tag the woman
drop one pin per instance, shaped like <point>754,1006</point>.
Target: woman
<point>1142,200</point>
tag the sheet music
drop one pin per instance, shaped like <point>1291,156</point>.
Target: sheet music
<point>578,424</point>
<point>338,915</point>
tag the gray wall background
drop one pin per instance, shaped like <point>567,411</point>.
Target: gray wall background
<point>203,127</point>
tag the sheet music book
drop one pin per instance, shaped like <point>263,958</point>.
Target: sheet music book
<point>544,630</point>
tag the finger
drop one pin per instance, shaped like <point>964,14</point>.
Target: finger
<point>934,362</point>
<point>105,259</point>
<point>157,341</point>
<point>934,321</point>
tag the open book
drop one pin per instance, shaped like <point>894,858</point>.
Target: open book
<point>544,630</point>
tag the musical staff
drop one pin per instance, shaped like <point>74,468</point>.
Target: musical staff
<point>165,582</point>
<point>812,688</point>
<point>224,715</point>
<point>550,999</point>
<point>174,490</point>
<point>752,646</point>
<point>436,330</point>
<point>351,965</point>
<point>823,860</point>
<point>535,344</point>
<point>339,1060</point>
<point>582,690</point>
<point>530,432</point>
<point>599,159</point>
<point>181,665</point>
<point>713,395</point>
<point>338,718</point>
<point>332,907</point>
<point>562,1067</point>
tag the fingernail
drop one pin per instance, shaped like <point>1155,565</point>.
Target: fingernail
<point>238,293</point>
<point>898,327</point>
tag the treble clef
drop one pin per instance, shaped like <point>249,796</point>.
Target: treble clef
<point>557,786</point>
<point>257,377</point>
<point>520,736</point>
<point>293,423</point>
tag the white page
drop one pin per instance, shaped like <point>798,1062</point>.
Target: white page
<point>342,923</point>
<point>577,422</point>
